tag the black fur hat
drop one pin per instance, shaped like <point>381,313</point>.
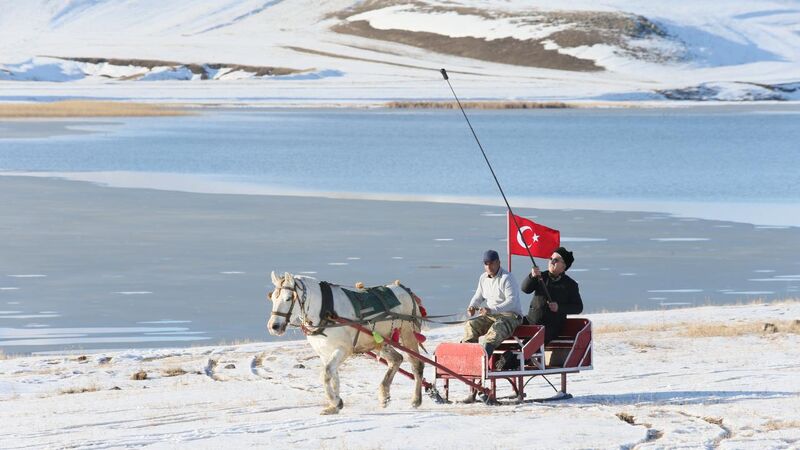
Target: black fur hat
<point>566,256</point>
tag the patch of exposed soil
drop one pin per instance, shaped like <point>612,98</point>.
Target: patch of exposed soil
<point>200,69</point>
<point>529,53</point>
<point>355,58</point>
<point>580,28</point>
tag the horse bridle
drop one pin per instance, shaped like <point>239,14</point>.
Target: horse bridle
<point>296,298</point>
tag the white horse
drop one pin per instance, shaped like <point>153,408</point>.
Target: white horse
<point>297,300</point>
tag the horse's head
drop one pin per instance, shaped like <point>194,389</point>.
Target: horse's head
<point>283,299</point>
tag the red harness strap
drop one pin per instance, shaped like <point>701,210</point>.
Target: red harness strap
<point>399,346</point>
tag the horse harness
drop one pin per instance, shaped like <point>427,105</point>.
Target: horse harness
<point>326,313</point>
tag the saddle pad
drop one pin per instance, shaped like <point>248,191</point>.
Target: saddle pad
<point>371,301</point>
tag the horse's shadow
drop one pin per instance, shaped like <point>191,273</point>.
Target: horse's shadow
<point>679,397</point>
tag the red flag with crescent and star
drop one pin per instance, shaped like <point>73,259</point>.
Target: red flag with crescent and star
<point>541,240</point>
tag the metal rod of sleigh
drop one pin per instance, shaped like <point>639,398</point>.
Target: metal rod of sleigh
<point>383,321</point>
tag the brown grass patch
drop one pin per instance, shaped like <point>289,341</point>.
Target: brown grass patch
<point>625,417</point>
<point>774,425</point>
<point>84,108</point>
<point>642,346</point>
<point>715,420</point>
<point>3,355</point>
<point>611,329</point>
<point>655,327</point>
<point>80,390</point>
<point>174,372</point>
<point>479,105</point>
<point>699,330</point>
<point>139,376</point>
<point>723,330</point>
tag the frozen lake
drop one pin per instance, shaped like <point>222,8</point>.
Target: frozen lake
<point>91,267</point>
<point>736,163</point>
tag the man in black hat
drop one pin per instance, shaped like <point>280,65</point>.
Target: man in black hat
<point>566,299</point>
<point>497,301</point>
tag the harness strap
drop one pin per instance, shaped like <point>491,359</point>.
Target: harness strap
<point>327,311</point>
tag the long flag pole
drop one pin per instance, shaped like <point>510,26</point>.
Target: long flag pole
<point>511,213</point>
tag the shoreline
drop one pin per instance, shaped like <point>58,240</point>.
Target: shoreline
<point>66,107</point>
<point>645,320</point>
<point>761,215</point>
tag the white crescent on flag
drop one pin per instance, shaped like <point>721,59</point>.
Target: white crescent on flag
<point>520,238</point>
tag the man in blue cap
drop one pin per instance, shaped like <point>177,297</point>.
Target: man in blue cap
<point>498,303</point>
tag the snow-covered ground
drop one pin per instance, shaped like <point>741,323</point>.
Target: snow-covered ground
<point>208,51</point>
<point>658,382</point>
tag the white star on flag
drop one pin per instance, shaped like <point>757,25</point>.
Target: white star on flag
<point>535,237</point>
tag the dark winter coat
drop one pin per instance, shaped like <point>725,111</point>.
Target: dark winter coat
<point>563,291</point>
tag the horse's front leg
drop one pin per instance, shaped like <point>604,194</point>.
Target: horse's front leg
<point>330,381</point>
<point>394,359</point>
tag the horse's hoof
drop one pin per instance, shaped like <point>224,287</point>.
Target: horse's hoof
<point>384,402</point>
<point>333,409</point>
<point>416,403</point>
<point>329,411</point>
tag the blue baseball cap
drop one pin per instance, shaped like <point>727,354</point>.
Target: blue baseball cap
<point>489,256</point>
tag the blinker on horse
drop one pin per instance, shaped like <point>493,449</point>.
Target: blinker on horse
<point>311,305</point>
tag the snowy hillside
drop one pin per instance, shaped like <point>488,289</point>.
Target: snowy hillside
<point>690,378</point>
<point>374,50</point>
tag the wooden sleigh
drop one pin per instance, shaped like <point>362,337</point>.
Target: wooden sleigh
<point>569,353</point>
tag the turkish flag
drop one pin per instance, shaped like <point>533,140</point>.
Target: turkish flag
<point>541,240</point>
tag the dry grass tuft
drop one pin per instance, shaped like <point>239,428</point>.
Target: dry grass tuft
<point>698,330</point>
<point>715,420</point>
<point>258,360</point>
<point>625,417</point>
<point>611,329</point>
<point>140,375</point>
<point>83,108</point>
<point>174,372</point>
<point>773,425</point>
<point>3,355</point>
<point>80,390</point>
<point>721,330</point>
<point>641,347</point>
<point>479,105</point>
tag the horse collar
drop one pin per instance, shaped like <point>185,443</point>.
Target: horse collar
<point>325,314</point>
